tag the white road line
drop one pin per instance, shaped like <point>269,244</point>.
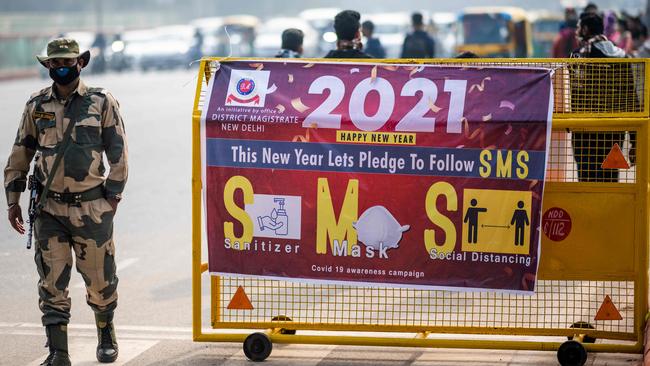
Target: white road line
<point>137,328</point>
<point>5,324</point>
<point>121,265</point>
<point>93,335</point>
<point>82,351</point>
<point>126,332</point>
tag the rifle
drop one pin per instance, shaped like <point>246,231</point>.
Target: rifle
<point>32,212</point>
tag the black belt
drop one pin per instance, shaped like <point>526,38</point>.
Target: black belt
<point>77,198</point>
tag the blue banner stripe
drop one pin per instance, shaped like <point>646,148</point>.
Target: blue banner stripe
<point>355,158</point>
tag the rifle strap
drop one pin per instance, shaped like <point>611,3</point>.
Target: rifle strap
<point>71,112</point>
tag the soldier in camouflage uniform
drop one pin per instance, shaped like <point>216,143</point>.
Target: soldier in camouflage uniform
<point>82,200</point>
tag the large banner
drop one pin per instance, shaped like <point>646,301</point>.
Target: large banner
<point>391,175</point>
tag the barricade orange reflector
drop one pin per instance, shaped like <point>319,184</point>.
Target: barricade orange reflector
<point>608,311</point>
<point>615,159</point>
<point>240,300</point>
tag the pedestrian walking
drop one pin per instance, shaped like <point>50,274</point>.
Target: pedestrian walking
<point>373,45</point>
<point>418,44</point>
<point>66,129</point>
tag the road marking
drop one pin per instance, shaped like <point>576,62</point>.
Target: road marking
<point>138,328</point>
<point>135,340</point>
<point>127,332</point>
<point>4,324</point>
<point>82,351</point>
<point>122,265</point>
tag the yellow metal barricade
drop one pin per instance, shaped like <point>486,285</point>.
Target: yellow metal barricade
<point>592,284</point>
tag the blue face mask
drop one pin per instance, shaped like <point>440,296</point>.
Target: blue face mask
<point>64,75</point>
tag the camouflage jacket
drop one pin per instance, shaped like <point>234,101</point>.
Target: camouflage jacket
<point>98,129</point>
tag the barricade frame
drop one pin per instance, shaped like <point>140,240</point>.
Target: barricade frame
<point>419,335</point>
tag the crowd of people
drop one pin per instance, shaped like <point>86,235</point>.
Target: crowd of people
<point>609,35</point>
<point>349,44</point>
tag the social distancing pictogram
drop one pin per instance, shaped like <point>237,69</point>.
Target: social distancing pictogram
<point>240,300</point>
<point>615,159</point>
<point>496,221</point>
<point>608,311</point>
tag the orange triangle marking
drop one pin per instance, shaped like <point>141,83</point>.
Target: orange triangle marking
<point>240,301</point>
<point>615,159</point>
<point>608,311</point>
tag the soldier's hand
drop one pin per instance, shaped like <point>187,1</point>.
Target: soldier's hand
<point>16,218</point>
<point>113,202</point>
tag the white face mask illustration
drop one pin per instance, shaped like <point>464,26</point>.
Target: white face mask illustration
<point>377,226</point>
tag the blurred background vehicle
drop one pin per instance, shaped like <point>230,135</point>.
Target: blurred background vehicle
<point>133,45</point>
<point>322,21</point>
<point>444,26</point>
<point>495,32</point>
<point>232,35</point>
<point>118,61</point>
<point>545,27</point>
<point>269,39</point>
<point>242,30</point>
<point>210,28</point>
<point>165,47</point>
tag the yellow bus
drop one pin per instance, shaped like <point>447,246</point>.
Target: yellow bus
<point>495,32</point>
<point>546,26</point>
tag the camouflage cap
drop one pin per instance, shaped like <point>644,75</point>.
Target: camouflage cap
<point>63,48</point>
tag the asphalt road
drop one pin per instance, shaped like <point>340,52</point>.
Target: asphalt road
<point>153,236</point>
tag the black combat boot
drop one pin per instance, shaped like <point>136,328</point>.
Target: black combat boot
<point>57,340</point>
<point>107,343</point>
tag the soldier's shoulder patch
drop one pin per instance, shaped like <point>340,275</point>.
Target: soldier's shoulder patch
<point>43,115</point>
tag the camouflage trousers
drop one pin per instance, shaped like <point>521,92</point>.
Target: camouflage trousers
<point>86,230</point>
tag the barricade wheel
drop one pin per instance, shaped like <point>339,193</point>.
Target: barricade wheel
<point>257,347</point>
<point>583,325</point>
<point>284,318</point>
<point>572,353</point>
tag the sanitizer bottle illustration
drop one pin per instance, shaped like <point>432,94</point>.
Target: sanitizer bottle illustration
<point>281,218</point>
